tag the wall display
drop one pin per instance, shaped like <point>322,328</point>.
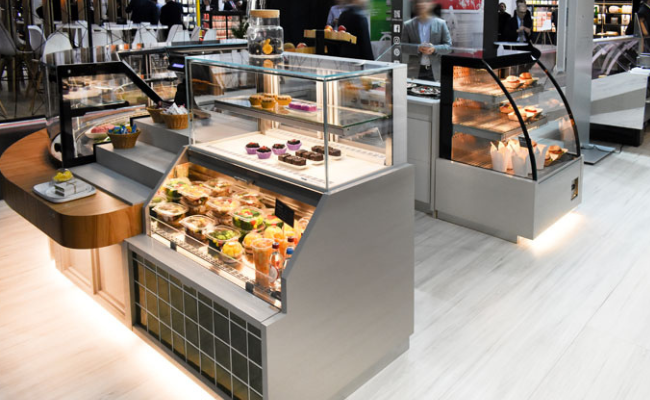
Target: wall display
<point>472,5</point>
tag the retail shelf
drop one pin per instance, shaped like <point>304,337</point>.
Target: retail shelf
<point>492,126</point>
<point>493,94</point>
<point>339,121</point>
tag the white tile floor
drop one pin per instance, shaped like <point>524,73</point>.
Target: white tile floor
<point>564,317</point>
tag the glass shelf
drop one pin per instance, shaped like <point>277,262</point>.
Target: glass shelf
<point>492,94</point>
<point>491,125</point>
<point>340,120</point>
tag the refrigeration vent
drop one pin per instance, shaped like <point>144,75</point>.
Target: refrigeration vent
<point>212,341</point>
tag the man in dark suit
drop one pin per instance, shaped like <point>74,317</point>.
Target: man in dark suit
<point>520,25</point>
<point>504,18</point>
<point>171,14</point>
<point>356,23</point>
<point>143,11</point>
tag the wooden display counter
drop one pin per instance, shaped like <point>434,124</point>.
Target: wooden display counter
<point>97,221</point>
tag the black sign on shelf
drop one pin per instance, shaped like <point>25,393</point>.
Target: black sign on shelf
<point>284,212</point>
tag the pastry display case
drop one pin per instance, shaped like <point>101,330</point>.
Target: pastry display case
<point>277,214</point>
<point>317,122</point>
<point>502,118</point>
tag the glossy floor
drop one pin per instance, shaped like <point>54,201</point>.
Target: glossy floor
<point>564,317</point>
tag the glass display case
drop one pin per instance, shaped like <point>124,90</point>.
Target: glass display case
<point>510,117</point>
<point>278,213</point>
<point>314,121</point>
<point>506,132</point>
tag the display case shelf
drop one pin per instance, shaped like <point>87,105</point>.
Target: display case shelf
<point>237,271</point>
<point>340,120</point>
<point>492,94</point>
<point>494,125</point>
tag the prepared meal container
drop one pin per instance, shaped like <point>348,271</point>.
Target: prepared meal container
<point>171,213</point>
<point>173,187</point>
<point>233,249</point>
<point>248,218</point>
<point>222,207</point>
<point>218,187</point>
<point>274,232</point>
<point>272,220</point>
<point>249,239</point>
<point>157,199</point>
<point>249,198</point>
<point>194,195</point>
<point>220,234</point>
<point>196,226</point>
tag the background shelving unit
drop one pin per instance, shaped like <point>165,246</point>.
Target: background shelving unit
<point>613,22</point>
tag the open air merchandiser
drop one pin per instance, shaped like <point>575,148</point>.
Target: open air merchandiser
<point>295,146</point>
<point>510,162</point>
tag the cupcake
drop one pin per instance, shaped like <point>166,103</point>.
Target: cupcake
<point>268,103</point>
<point>251,148</point>
<point>279,148</point>
<point>256,100</point>
<point>263,153</point>
<point>294,144</point>
<point>284,100</point>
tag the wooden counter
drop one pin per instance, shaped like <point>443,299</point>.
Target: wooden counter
<point>96,221</point>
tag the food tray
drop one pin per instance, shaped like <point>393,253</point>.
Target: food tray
<point>46,191</point>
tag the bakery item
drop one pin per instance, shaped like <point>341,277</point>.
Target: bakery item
<point>330,150</point>
<point>555,149</point>
<point>264,153</point>
<point>256,100</point>
<point>512,82</point>
<point>284,100</point>
<point>506,109</point>
<point>279,148</point>
<point>173,186</point>
<point>251,148</point>
<point>525,76</point>
<point>268,102</point>
<point>294,144</point>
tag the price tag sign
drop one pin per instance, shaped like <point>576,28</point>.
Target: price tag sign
<point>284,212</point>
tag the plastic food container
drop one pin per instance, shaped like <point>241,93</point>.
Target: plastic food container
<point>171,213</point>
<point>262,249</point>
<point>221,234</point>
<point>157,199</point>
<point>197,225</point>
<point>249,198</point>
<point>272,220</point>
<point>219,187</point>
<point>194,195</point>
<point>222,207</point>
<point>248,218</point>
<point>275,233</point>
<point>233,249</point>
<point>173,187</point>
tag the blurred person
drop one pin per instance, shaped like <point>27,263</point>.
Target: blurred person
<point>230,5</point>
<point>433,37</point>
<point>504,18</point>
<point>335,12</point>
<point>520,25</point>
<point>143,11</point>
<point>171,14</point>
<point>356,23</point>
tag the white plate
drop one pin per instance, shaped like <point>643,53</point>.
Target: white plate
<point>47,191</point>
<point>95,136</point>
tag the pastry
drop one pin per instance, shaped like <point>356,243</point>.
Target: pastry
<point>251,148</point>
<point>293,160</point>
<point>248,218</point>
<point>268,103</point>
<point>196,225</point>
<point>272,95</point>
<point>263,153</point>
<point>310,155</point>
<point>525,76</point>
<point>256,100</point>
<point>294,144</point>
<point>62,175</point>
<point>555,149</point>
<point>279,148</point>
<point>284,100</point>
<point>506,109</point>
<point>512,82</point>
<point>330,150</point>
